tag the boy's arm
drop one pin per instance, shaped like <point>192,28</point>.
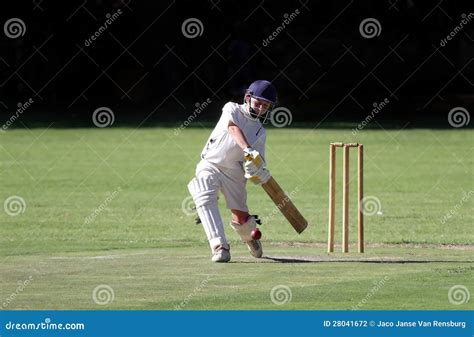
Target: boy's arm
<point>237,135</point>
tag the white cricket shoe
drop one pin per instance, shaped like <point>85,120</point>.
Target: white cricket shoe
<point>221,254</point>
<point>255,248</point>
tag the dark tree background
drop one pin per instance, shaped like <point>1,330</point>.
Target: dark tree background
<point>144,68</point>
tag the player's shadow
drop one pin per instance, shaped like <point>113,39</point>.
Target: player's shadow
<point>322,259</point>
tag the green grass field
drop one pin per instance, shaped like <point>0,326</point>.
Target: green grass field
<point>104,207</point>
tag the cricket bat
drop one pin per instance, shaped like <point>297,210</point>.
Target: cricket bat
<point>283,202</point>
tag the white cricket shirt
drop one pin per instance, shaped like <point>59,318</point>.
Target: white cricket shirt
<point>221,149</point>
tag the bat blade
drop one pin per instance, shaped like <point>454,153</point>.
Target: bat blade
<point>285,205</point>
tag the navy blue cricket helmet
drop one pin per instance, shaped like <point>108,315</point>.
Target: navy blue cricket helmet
<point>262,90</point>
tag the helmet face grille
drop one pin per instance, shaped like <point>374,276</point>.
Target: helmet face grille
<point>251,114</point>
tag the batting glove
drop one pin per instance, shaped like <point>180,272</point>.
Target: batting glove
<point>261,176</point>
<point>250,152</point>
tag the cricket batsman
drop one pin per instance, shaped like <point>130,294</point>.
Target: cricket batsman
<point>238,133</point>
